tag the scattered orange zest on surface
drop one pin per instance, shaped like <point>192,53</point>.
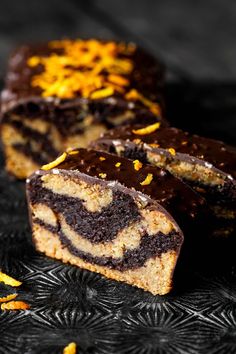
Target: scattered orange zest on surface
<point>8,297</point>
<point>90,68</point>
<point>70,348</point>
<point>118,164</point>
<point>172,151</point>
<point>54,163</point>
<point>101,158</point>
<point>102,175</point>
<point>15,305</point>
<point>147,180</point>
<point>6,279</point>
<point>137,165</point>
<point>184,142</point>
<point>147,130</point>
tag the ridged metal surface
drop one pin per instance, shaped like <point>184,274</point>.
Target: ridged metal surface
<point>102,316</point>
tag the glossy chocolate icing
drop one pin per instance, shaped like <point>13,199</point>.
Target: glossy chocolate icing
<point>176,197</point>
<point>19,96</point>
<point>188,147</point>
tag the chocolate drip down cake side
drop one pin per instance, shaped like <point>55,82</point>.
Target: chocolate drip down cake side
<point>112,215</point>
<point>66,93</point>
<point>207,165</point>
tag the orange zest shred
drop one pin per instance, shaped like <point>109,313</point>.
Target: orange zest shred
<point>90,68</point>
<point>6,279</point>
<point>147,180</point>
<point>118,80</point>
<point>8,298</point>
<point>102,175</point>
<point>172,151</point>
<point>15,305</point>
<point>101,158</point>
<point>155,109</point>
<point>70,348</point>
<point>108,91</point>
<point>147,130</point>
<point>71,151</point>
<point>33,61</point>
<point>54,163</point>
<point>184,142</point>
<point>133,94</point>
<point>118,164</point>
<point>137,165</point>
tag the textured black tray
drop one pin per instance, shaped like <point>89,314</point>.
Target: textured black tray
<point>103,316</point>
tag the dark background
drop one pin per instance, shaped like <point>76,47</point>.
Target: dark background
<point>196,40</point>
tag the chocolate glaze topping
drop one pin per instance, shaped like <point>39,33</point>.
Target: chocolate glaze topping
<point>168,191</point>
<point>147,77</point>
<point>187,146</point>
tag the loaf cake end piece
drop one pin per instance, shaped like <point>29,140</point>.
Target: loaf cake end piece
<point>66,93</point>
<point>109,215</point>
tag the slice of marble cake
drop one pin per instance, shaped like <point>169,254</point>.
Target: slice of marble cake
<point>111,215</point>
<point>207,165</point>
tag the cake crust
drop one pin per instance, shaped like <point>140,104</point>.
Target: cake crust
<point>110,215</point>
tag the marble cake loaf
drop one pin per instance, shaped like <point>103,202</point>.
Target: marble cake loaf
<point>207,165</point>
<point>65,93</point>
<point>111,215</point>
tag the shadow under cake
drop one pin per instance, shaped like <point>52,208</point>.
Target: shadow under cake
<point>66,93</point>
<point>104,213</point>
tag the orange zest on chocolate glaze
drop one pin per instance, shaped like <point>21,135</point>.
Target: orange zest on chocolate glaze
<point>147,130</point>
<point>89,68</point>
<point>118,164</point>
<point>54,163</point>
<point>8,298</point>
<point>154,145</point>
<point>147,180</point>
<point>102,175</point>
<point>172,151</point>
<point>137,165</point>
<point>137,141</point>
<point>73,152</point>
<point>133,94</point>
